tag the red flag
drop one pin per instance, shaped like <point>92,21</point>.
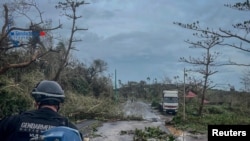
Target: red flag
<point>42,33</point>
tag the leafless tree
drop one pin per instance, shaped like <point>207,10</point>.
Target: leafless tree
<point>227,34</point>
<point>205,64</point>
<point>70,8</point>
<point>224,35</point>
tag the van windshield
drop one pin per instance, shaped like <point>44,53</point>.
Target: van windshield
<point>171,99</point>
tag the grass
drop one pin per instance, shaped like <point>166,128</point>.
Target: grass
<point>212,115</point>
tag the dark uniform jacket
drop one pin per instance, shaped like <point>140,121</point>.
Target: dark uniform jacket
<point>30,124</point>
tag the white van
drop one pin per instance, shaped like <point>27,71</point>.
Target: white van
<point>169,102</point>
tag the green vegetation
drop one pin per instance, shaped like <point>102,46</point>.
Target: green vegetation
<point>224,108</point>
<point>152,133</point>
<point>213,114</point>
<point>13,97</point>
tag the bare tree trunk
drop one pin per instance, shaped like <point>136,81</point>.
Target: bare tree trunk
<point>203,97</point>
<point>72,6</point>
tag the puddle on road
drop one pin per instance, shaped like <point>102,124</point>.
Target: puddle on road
<point>110,131</point>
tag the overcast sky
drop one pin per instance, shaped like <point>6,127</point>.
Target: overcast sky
<point>138,39</point>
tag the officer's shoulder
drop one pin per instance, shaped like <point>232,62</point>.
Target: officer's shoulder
<point>10,118</point>
<point>25,112</point>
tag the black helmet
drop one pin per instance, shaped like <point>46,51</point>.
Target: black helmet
<point>49,92</point>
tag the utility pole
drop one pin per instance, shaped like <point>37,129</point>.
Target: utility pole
<point>184,96</point>
<point>116,96</point>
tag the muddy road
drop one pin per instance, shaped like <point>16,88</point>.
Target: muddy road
<point>110,131</point>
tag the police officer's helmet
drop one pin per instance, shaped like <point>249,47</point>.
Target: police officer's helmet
<point>49,92</point>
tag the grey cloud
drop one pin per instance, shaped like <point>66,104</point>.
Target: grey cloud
<point>138,37</point>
